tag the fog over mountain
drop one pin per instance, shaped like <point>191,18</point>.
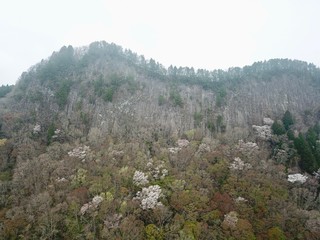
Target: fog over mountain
<point>208,34</point>
<point>98,142</point>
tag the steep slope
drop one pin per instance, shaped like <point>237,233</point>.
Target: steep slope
<point>103,89</point>
<point>99,143</point>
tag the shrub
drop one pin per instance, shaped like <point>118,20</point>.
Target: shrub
<point>278,128</point>
<point>176,98</point>
<point>161,100</point>
<point>197,117</point>
<point>276,233</point>
<point>50,133</point>
<point>211,126</point>
<point>108,95</point>
<point>62,93</point>
<point>287,120</point>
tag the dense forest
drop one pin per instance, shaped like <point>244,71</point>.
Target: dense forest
<point>77,161</point>
<point>5,89</point>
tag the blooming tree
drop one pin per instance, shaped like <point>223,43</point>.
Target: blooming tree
<point>94,204</point>
<point>238,164</point>
<point>264,132</point>
<point>79,152</point>
<point>231,219</point>
<point>36,129</point>
<point>97,200</point>
<point>140,178</point>
<point>317,174</point>
<point>183,143</point>
<point>157,171</point>
<point>268,121</point>
<point>149,197</point>
<point>57,133</point>
<point>297,178</point>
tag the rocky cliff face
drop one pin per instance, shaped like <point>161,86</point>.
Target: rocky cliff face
<point>104,90</point>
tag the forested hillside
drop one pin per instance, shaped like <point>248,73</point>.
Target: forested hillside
<point>100,143</point>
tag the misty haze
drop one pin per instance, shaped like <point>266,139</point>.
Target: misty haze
<point>167,120</point>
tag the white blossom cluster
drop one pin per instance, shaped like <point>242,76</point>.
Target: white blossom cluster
<point>183,143</point>
<point>79,152</point>
<point>97,200</point>
<point>56,133</point>
<point>140,178</point>
<point>297,178</point>
<point>157,172</point>
<point>174,150</point>
<point>247,146</point>
<point>238,164</point>
<point>60,180</point>
<point>149,197</point>
<point>203,147</point>
<point>91,205</point>
<point>317,174</point>
<point>231,219</point>
<point>116,153</point>
<point>263,132</point>
<point>36,129</point>
<point>241,199</point>
<point>268,121</point>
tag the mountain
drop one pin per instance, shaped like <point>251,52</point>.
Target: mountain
<point>98,142</point>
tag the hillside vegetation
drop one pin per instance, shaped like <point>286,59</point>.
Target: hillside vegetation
<point>99,143</point>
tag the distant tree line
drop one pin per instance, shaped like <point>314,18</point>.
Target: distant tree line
<point>63,65</point>
<point>5,89</point>
<point>68,59</point>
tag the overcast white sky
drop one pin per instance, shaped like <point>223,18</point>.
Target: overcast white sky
<point>196,33</point>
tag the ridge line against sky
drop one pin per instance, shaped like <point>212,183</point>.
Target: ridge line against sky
<point>200,34</point>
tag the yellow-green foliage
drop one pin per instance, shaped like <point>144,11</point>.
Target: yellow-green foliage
<point>190,134</point>
<point>213,217</point>
<point>276,233</point>
<point>4,176</point>
<point>79,178</point>
<point>3,142</point>
<point>108,196</point>
<point>153,233</point>
<point>191,230</point>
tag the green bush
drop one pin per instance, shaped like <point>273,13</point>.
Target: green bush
<point>176,98</point>
<point>36,96</point>
<point>287,120</point>
<point>308,162</point>
<point>220,97</point>
<point>278,128</point>
<point>108,95</point>
<point>50,133</point>
<point>211,126</point>
<point>161,100</point>
<point>197,117</point>
<point>62,93</point>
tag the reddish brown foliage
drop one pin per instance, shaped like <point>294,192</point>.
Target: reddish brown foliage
<point>223,202</point>
<point>79,195</point>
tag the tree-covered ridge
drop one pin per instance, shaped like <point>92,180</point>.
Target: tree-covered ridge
<point>63,63</point>
<point>77,161</point>
<point>5,89</point>
<point>71,67</point>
